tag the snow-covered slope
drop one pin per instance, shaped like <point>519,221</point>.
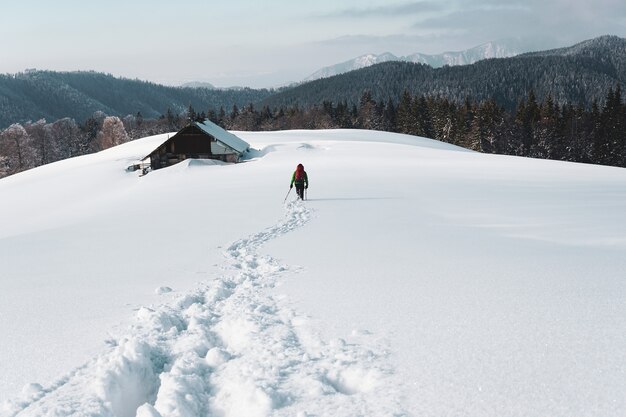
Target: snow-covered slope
<point>418,279</point>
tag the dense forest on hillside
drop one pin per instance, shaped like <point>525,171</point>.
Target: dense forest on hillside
<point>566,79</point>
<point>52,95</point>
<point>581,76</point>
<point>539,129</point>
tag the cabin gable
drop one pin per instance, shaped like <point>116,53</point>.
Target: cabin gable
<point>198,141</point>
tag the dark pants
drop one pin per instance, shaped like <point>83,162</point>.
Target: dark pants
<point>300,190</point>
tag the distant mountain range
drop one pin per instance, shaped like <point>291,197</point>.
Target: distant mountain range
<point>498,49</point>
<point>209,86</point>
<point>198,84</point>
<point>577,74</point>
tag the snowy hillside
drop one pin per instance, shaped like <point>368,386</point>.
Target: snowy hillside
<point>419,279</point>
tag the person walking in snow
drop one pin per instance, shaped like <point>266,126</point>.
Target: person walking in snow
<point>301,179</point>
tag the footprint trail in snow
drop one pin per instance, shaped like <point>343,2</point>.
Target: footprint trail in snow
<point>227,349</point>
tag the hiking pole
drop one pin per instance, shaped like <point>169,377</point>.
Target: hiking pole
<point>287,195</point>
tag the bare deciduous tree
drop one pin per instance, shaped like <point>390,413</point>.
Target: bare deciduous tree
<point>112,133</point>
<point>15,148</point>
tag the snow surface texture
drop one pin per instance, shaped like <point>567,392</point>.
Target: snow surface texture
<point>228,348</point>
<point>419,279</point>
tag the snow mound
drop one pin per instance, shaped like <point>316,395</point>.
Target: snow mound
<point>163,290</point>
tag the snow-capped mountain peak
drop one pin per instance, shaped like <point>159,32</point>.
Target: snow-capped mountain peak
<point>351,65</point>
<point>499,49</point>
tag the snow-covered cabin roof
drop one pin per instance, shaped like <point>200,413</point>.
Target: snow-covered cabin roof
<point>224,136</point>
<point>221,135</point>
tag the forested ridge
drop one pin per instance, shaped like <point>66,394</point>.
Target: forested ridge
<point>536,128</point>
<point>50,95</point>
<point>576,75</point>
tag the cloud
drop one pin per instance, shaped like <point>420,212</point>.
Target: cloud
<point>347,47</point>
<point>397,10</point>
<point>564,21</point>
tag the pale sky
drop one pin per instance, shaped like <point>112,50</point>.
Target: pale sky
<point>274,42</point>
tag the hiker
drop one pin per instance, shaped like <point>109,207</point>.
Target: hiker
<point>301,180</point>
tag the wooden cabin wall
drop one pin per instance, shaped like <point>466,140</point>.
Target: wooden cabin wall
<point>190,143</point>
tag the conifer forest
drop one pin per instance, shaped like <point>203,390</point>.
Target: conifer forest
<point>535,128</point>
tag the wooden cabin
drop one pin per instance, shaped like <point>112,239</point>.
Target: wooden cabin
<point>198,140</point>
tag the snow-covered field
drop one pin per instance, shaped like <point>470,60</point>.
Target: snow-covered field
<point>419,279</point>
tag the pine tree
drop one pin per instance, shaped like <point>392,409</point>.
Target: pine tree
<point>529,117</point>
<point>546,141</point>
<point>212,116</point>
<point>191,114</point>
<point>485,128</point>
<point>405,118</point>
<point>234,113</point>
<point>389,117</point>
<point>423,118</point>
<point>608,143</point>
<point>343,117</point>
<point>599,143</point>
<point>248,119</point>
<point>221,118</point>
<point>171,119</point>
<point>368,116</point>
<point>441,118</point>
<point>621,129</point>
<point>464,120</point>
<point>572,130</point>
<point>614,128</point>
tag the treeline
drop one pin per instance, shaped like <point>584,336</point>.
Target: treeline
<point>538,129</point>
